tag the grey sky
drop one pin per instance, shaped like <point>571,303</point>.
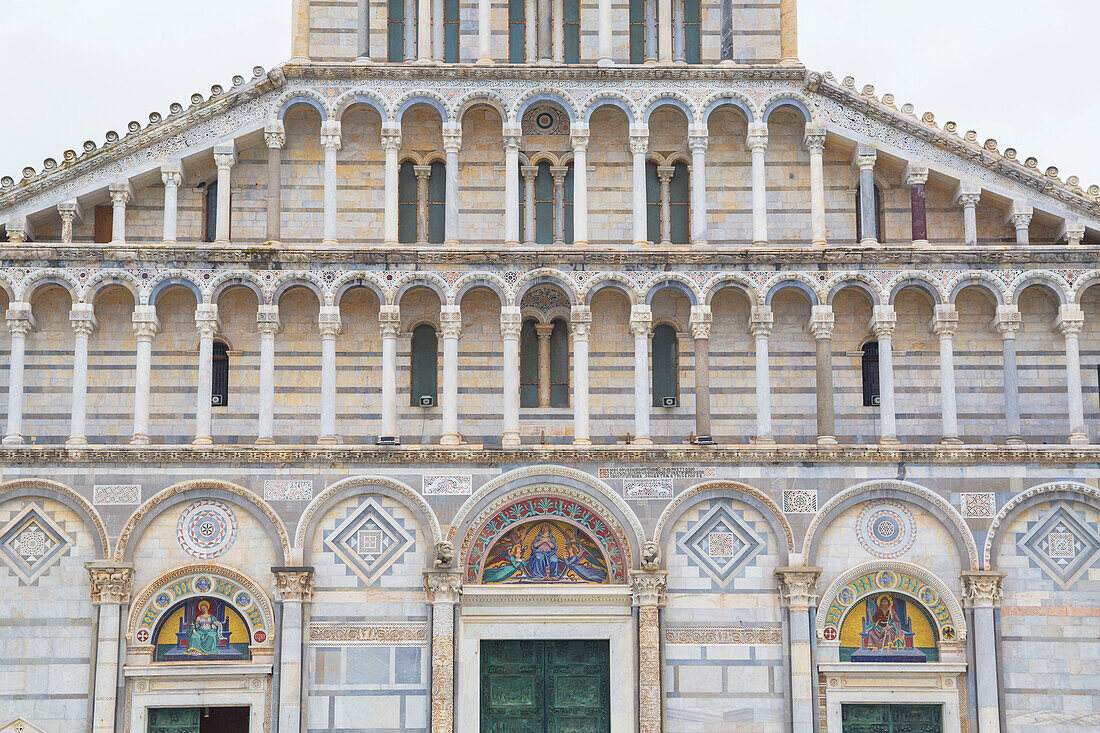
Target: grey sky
<point>1019,71</point>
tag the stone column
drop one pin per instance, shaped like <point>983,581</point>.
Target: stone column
<point>145,328</point>
<point>557,172</point>
<point>1071,320</point>
<point>225,157</point>
<point>206,321</point>
<point>363,35</point>
<point>815,145</point>
<point>664,31</point>
<point>545,33</point>
<point>968,197</point>
<point>639,146</point>
<point>82,319</point>
<point>275,138</point>
<point>917,176</point>
<point>559,31</point>
<point>664,176</point>
<point>111,587</point>
<point>511,322</point>
<point>68,211</point>
<point>437,31</point>
<point>883,323</point>
<point>650,31</point>
<point>544,331</point>
<point>512,141</point>
<point>945,323</point>
<point>389,321</point>
<point>410,30</point>
<point>983,595</point>
<point>121,193</point>
<point>328,323</point>
<point>679,43</point>
<point>300,52</point>
<point>529,172</point>
<point>822,321</point>
<point>391,141</point>
<point>424,31</point>
<point>20,323</point>
<point>798,592</point>
<point>452,143</point>
<point>295,587</point>
<point>1021,221</point>
<point>451,322</point>
<point>443,589</point>
<point>171,174</point>
<point>866,155</point>
<point>330,141</point>
<point>698,140</point>
<point>423,173</point>
<point>580,319</point>
<point>758,143</point>
<point>1008,323</point>
<point>788,32</point>
<point>649,595</point>
<point>530,31</point>
<point>641,320</point>
<point>484,32</point>
<point>761,327</point>
<point>700,322</point>
<point>604,41</point>
<point>580,185</point>
<point>726,37</point>
<point>267,323</point>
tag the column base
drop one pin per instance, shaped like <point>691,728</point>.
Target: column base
<point>1015,440</point>
<point>364,60</point>
<point>222,242</point>
<point>582,442</point>
<point>642,243</point>
<point>790,62</point>
<point>605,61</point>
<point>393,243</point>
<point>485,60</point>
<point>13,440</point>
<point>451,439</point>
<point>921,243</point>
<point>580,242</point>
<point>511,243</point>
<point>76,441</point>
<point>819,243</point>
<point>889,440</point>
<point>826,440</point>
<point>202,441</point>
<point>951,440</point>
<point>868,243</point>
<point>700,243</point>
<point>1078,439</point>
<point>273,243</point>
<point>262,442</point>
<point>642,441</point>
<point>760,243</point>
<point>762,440</point>
<point>450,243</point>
<point>328,440</point>
<point>299,59</point>
<point>330,242</point>
<point>388,440</point>
<point>140,439</point>
<point>169,241</point>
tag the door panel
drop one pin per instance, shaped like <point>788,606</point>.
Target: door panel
<point>892,718</point>
<point>174,720</point>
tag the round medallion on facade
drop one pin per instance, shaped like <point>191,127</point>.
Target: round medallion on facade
<point>207,529</point>
<point>142,636</point>
<point>243,600</point>
<point>260,637</point>
<point>886,529</point>
<point>163,599</point>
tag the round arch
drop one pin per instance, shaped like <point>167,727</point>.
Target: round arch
<point>728,101</point>
<point>1045,280</point>
<point>46,489</point>
<point>668,283</point>
<point>357,280</point>
<point>856,283</point>
<point>297,280</point>
<point>545,96</point>
<point>208,489</point>
<point>925,498</point>
<point>920,282</point>
<point>302,97</point>
<point>790,103</point>
<point>171,280</point>
<point>45,278</point>
<point>360,98</point>
<point>608,100</point>
<point>481,98</point>
<point>974,279</point>
<point>731,280</point>
<point>544,276</point>
<point>484,280</point>
<point>111,278</point>
<point>1081,285</point>
<point>668,101</point>
<point>239,278</point>
<point>1067,490</point>
<point>422,99</point>
<point>7,286</point>
<point>803,287</point>
<point>611,281</point>
<point>421,281</point>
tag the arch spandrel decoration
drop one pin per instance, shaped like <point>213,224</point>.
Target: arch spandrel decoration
<point>513,537</point>
<point>216,584</point>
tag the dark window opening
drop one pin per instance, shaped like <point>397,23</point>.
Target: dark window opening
<point>210,213</point>
<point>572,22</point>
<point>528,365</point>
<point>559,365</point>
<point>424,366</point>
<point>219,375</point>
<point>870,374</point>
<point>679,204</point>
<point>104,224</point>
<point>437,204</point>
<point>406,204</point>
<point>637,31</point>
<point>450,31</point>
<point>517,32</point>
<point>693,30</point>
<point>653,202</point>
<point>666,387</point>
<point>395,37</point>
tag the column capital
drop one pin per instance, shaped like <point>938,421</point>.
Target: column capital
<point>1074,233</point>
<point>443,586</point>
<point>822,321</point>
<point>206,319</point>
<point>544,331</point>
<point>1008,320</point>
<point>945,320</point>
<point>70,210</point>
<point>1071,319</point>
<point>389,320</point>
<point>267,319</point>
<point>391,138</point>
<point>145,322</point>
<point>450,321</point>
<point>968,194</point>
<point>1020,215</point>
<point>798,586</point>
<point>883,321</point>
<point>171,178</point>
<point>19,318</point>
<point>328,321</point>
<point>529,172</point>
<point>760,321</point>
<point>558,173</point>
<point>648,587</point>
<point>422,172</point>
<point>452,139</point>
<point>815,139</point>
<point>641,319</point>
<point>513,137</point>
<point>700,321</point>
<point>511,321</point>
<point>112,582</point>
<point>330,134</point>
<point>757,139</point>
<point>275,134</point>
<point>579,139</point>
<point>639,142</point>
<point>866,155</point>
<point>580,322</point>
<point>121,192</point>
<point>664,173</point>
<point>82,319</point>
<point>294,583</point>
<point>916,174</point>
<point>225,156</point>
<point>19,230</point>
<point>983,588</point>
<point>698,138</point>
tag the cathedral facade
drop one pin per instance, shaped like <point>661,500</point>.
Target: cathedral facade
<point>548,365</point>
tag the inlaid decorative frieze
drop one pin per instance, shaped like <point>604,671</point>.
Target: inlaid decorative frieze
<point>288,490</point>
<point>656,472</point>
<point>799,501</point>
<point>723,635</point>
<point>978,505</point>
<point>886,529</point>
<point>647,488</point>
<point>367,634</point>
<point>447,485</point>
<point>116,494</point>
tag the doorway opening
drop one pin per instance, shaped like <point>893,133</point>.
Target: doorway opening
<point>198,720</point>
<point>892,718</point>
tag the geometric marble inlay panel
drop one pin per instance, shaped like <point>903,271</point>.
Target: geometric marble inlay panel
<point>32,542</point>
<point>721,543</point>
<point>1062,543</point>
<point>368,541</point>
<point>886,529</point>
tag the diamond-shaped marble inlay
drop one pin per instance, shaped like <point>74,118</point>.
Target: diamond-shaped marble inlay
<point>32,542</point>
<point>369,540</point>
<point>1062,543</point>
<point>721,543</point>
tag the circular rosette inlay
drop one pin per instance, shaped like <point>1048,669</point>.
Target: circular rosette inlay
<point>886,529</point>
<point>207,529</point>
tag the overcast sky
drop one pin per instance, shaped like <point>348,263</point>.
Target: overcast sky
<point>1020,71</point>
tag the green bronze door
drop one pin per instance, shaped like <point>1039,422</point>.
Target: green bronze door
<point>545,687</point>
<point>892,718</point>
<point>174,720</point>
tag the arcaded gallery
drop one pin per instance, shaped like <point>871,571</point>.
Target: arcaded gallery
<point>548,366</point>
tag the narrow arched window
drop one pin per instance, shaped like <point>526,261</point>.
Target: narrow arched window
<point>450,31</point>
<point>210,213</point>
<point>406,204</point>
<point>880,216</point>
<point>395,36</point>
<point>517,33</point>
<point>559,365</point>
<point>437,203</point>
<point>693,31</point>
<point>219,375</point>
<point>653,202</point>
<point>870,374</point>
<point>424,366</point>
<point>528,365</point>
<point>544,205</point>
<point>572,22</point>
<point>666,381</point>
<point>679,204</point>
